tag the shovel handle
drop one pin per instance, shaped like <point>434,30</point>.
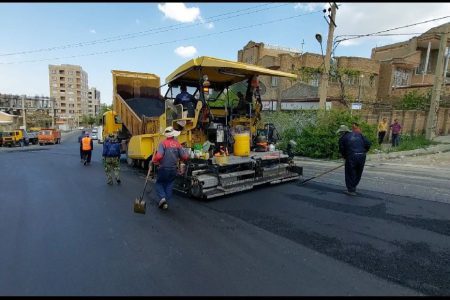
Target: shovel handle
<point>326,172</point>
<point>150,167</point>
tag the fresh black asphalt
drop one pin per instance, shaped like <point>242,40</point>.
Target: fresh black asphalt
<point>64,231</point>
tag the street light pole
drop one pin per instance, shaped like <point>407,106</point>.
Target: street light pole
<point>324,80</point>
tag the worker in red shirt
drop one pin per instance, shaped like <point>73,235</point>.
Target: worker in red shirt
<point>166,158</point>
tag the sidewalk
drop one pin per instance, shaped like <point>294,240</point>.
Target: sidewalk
<point>443,147</point>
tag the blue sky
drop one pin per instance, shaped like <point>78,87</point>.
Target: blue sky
<point>30,27</point>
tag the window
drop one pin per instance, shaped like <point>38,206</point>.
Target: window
<point>351,80</point>
<point>315,79</point>
<point>401,77</point>
<point>53,71</point>
<point>54,78</point>
<point>274,81</point>
<point>55,85</point>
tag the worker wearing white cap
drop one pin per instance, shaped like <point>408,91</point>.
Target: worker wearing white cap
<point>167,156</point>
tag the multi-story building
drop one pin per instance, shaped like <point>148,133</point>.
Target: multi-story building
<point>69,88</point>
<point>358,81</point>
<point>93,101</point>
<point>410,65</point>
<point>38,108</point>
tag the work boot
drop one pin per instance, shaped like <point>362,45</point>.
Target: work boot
<point>118,181</point>
<point>350,193</point>
<point>85,162</point>
<point>110,182</point>
<point>163,204</point>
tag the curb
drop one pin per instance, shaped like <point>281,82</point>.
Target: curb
<point>442,148</point>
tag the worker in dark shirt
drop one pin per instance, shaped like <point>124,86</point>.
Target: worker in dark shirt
<point>187,100</point>
<point>353,147</point>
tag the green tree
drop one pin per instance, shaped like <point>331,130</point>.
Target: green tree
<point>84,120</point>
<point>103,108</point>
<point>414,100</point>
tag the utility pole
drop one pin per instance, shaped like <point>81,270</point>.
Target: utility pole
<point>52,102</point>
<point>23,113</point>
<point>430,132</point>
<point>324,80</point>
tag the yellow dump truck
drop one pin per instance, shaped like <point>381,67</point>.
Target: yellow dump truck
<point>222,140</point>
<point>138,111</point>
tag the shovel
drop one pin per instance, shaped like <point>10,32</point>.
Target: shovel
<point>139,203</point>
<point>326,172</point>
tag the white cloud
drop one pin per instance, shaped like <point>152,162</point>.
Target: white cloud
<point>185,52</point>
<point>93,31</point>
<point>364,18</point>
<point>179,12</point>
<point>209,25</point>
<point>310,7</point>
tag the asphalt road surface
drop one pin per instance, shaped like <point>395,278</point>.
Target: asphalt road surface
<point>64,231</point>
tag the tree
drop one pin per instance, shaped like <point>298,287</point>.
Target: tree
<point>103,108</point>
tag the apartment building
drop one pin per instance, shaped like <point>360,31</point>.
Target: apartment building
<point>411,65</point>
<point>359,84</point>
<point>69,88</point>
<point>93,101</point>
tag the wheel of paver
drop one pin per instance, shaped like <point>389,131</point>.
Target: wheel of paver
<point>41,144</point>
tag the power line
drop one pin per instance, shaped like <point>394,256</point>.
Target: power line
<point>162,43</point>
<point>146,32</point>
<point>387,30</point>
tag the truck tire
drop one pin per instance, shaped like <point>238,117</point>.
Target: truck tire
<point>41,144</point>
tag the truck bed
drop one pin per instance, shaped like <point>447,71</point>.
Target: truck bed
<point>149,107</point>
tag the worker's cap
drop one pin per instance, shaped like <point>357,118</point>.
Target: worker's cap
<point>170,132</point>
<point>343,128</point>
<point>86,133</point>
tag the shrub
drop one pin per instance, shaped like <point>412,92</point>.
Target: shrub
<point>413,100</point>
<point>315,131</point>
<point>411,142</point>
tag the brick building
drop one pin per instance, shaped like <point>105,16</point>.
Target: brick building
<point>410,65</point>
<point>360,83</point>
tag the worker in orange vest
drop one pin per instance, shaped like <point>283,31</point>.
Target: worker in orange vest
<point>87,145</point>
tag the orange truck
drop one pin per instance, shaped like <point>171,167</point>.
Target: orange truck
<point>49,136</point>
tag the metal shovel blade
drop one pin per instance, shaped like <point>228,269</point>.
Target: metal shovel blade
<point>139,206</point>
